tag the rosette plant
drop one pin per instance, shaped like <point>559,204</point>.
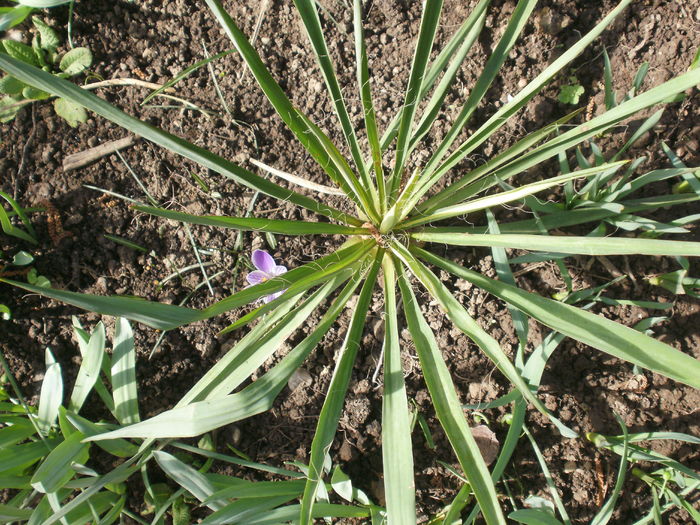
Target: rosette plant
<point>392,215</point>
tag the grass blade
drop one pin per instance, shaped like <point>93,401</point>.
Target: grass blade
<point>90,367</point>
<point>188,478</point>
<point>491,69</point>
<point>610,337</point>
<point>565,244</point>
<point>56,469</point>
<point>312,24</point>
<point>62,88</point>
<point>588,129</point>
<point>126,406</point>
<point>462,320</point>
<point>428,27</point>
<point>333,405</point>
<point>367,104</point>
<point>297,123</point>
<point>523,97</point>
<point>505,197</point>
<point>284,227</point>
<point>447,406</point>
<point>397,451</point>
<point>51,396</point>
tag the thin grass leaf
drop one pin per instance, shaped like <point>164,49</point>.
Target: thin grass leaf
<point>261,489</point>
<point>116,447</point>
<point>90,367</point>
<point>466,35</point>
<point>243,511</point>
<point>516,24</point>
<point>397,451</point>
<point>236,461</point>
<point>426,35</point>
<point>124,391</point>
<point>363,82</point>
<point>312,24</point>
<point>585,131</point>
<point>8,513</point>
<point>447,406</point>
<point>294,119</point>
<point>613,338</point>
<point>504,197</point>
<point>218,407</point>
<point>26,454</point>
<point>462,320</point>
<point>51,395</point>
<point>10,229</point>
<point>605,513</point>
<point>565,244</point>
<point>321,510</point>
<point>184,74</point>
<point>56,470</point>
<point>318,188</point>
<point>333,405</point>
<point>188,478</point>
<point>62,88</point>
<point>521,99</point>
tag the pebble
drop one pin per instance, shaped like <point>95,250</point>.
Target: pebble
<point>300,377</point>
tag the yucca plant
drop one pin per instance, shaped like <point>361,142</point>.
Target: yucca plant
<point>392,214</point>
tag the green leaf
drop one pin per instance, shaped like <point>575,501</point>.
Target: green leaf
<point>51,395</point>
<point>48,37</point>
<point>69,111</point>
<point>397,451</point>
<point>181,512</point>
<point>284,227</point>
<point>67,90</point>
<point>447,406</point>
<point>22,258</point>
<point>188,478</point>
<point>571,94</point>
<point>564,244</point>
<point>56,470</point>
<point>10,85</point>
<point>335,399</point>
<point>9,107</point>
<point>11,16</point>
<point>31,93</point>
<point>123,370</point>
<point>76,61</point>
<point>613,338</point>
<point>8,513</point>
<point>90,367</point>
<point>21,52</point>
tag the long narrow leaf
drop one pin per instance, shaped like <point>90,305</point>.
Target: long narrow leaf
<point>462,320</point>
<point>312,24</point>
<point>333,405</point>
<point>447,406</point>
<point>397,452</point>
<point>90,367</point>
<point>428,27</point>
<point>123,370</point>
<point>294,119</point>
<point>523,97</point>
<point>491,69</point>
<point>565,244</point>
<point>284,227</point>
<point>610,337</point>
<point>367,104</point>
<point>51,395</point>
<point>62,88</point>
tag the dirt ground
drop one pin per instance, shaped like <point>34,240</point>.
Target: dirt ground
<point>154,40</point>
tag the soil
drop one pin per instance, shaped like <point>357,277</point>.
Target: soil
<point>154,40</point>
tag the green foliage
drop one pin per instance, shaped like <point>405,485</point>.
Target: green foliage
<point>388,226</point>
<point>43,54</point>
<point>571,93</point>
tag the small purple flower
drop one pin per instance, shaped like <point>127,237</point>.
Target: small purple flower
<point>266,270</point>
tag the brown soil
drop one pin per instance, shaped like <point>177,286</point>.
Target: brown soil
<point>153,40</point>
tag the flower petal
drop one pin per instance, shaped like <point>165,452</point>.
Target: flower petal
<point>279,270</point>
<point>257,277</point>
<point>263,261</point>
<point>273,296</point>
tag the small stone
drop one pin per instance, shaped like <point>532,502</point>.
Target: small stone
<point>487,442</point>
<point>235,435</point>
<point>569,467</point>
<point>345,451</point>
<point>300,377</point>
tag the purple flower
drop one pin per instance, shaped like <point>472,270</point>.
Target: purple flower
<point>266,270</point>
